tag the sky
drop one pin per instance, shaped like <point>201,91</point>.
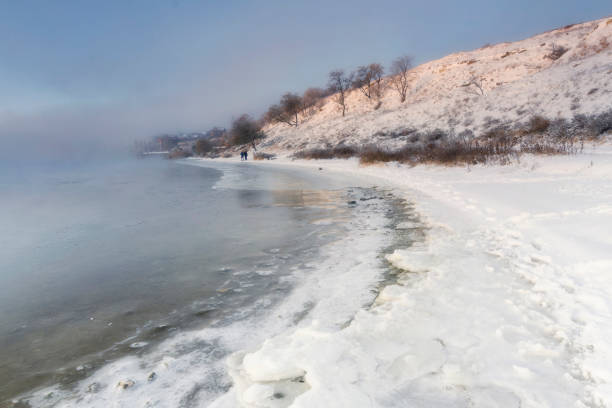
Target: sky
<point>83,77</point>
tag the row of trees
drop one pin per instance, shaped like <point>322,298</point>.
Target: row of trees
<point>292,105</point>
<point>244,131</point>
<point>368,79</point>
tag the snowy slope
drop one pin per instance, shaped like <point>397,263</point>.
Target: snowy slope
<point>518,81</point>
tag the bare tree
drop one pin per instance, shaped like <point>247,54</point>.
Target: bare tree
<point>311,100</point>
<point>292,105</point>
<point>245,130</point>
<point>474,86</point>
<point>202,146</point>
<point>399,75</point>
<point>287,110</point>
<point>340,84</point>
<point>378,71</point>
<point>368,79</point>
<point>363,80</point>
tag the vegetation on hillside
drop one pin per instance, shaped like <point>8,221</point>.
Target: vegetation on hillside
<point>501,145</point>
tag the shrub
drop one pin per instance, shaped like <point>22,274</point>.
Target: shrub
<point>556,52</point>
<point>592,126</point>
<point>263,156</point>
<point>245,131</point>
<point>499,145</point>
<point>338,152</point>
<point>434,136</point>
<point>559,129</point>
<point>202,147</point>
<point>454,152</point>
<point>537,124</point>
<point>600,124</point>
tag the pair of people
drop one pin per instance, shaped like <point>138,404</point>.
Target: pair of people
<point>244,155</point>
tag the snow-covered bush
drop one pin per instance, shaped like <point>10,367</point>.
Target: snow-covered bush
<point>557,52</point>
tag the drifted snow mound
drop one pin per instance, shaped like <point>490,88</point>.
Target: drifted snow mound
<point>470,333</point>
<point>416,259</point>
<point>518,80</point>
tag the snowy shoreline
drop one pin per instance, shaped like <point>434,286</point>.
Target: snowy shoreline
<point>510,309</point>
<point>316,282</point>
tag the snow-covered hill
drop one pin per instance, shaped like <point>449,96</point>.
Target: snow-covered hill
<point>519,80</point>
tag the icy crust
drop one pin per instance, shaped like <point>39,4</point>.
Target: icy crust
<point>190,368</point>
<point>506,304</point>
<point>447,339</point>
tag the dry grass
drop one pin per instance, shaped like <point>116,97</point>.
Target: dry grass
<point>498,145</point>
<point>501,149</point>
<point>263,156</point>
<point>338,152</point>
<point>450,153</point>
<point>495,147</point>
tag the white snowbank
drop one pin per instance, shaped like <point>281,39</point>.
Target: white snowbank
<point>510,306</point>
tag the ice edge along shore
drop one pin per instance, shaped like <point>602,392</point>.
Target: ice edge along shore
<point>511,307</point>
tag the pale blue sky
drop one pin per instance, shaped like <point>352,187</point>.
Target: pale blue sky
<point>74,71</point>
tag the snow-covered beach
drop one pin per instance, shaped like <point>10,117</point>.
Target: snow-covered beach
<point>434,235</point>
<point>506,303</point>
<point>306,204</point>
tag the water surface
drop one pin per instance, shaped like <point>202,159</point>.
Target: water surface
<point>102,260</point>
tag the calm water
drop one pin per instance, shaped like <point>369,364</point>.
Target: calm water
<point>102,260</point>
<point>155,271</point>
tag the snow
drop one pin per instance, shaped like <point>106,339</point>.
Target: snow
<point>506,303</point>
<point>518,80</point>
